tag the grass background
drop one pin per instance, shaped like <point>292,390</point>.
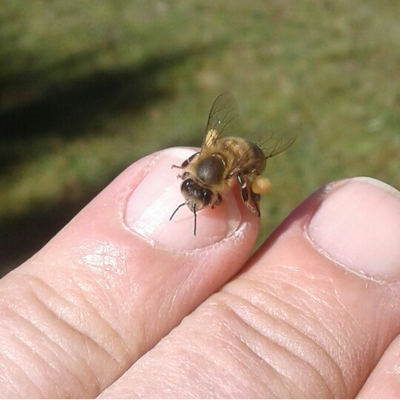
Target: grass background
<point>88,87</point>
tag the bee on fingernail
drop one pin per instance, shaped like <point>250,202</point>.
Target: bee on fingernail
<point>222,161</point>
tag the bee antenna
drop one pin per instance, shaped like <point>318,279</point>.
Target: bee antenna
<point>195,219</point>
<point>177,208</point>
<point>194,212</point>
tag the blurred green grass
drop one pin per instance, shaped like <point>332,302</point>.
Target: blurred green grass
<point>86,88</point>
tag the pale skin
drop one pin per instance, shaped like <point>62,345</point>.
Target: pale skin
<point>105,311</point>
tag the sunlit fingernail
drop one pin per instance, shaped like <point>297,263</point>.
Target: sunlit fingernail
<point>358,225</point>
<point>158,195</point>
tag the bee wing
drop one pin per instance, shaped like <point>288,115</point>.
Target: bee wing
<point>223,111</point>
<point>276,145</point>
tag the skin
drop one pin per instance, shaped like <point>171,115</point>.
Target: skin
<point>125,303</point>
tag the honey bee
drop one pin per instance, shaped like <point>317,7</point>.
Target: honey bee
<point>222,161</point>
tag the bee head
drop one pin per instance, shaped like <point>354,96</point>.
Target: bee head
<point>196,197</point>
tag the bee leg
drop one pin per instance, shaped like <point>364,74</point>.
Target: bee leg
<point>183,176</point>
<point>245,195</point>
<point>186,162</point>
<point>217,201</point>
<point>256,200</point>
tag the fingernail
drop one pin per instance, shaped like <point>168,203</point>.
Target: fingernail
<point>358,226</point>
<point>157,196</point>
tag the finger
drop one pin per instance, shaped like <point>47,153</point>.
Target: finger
<point>114,281</point>
<point>311,315</point>
<point>384,382</point>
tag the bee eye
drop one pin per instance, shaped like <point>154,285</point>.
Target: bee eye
<point>207,197</point>
<point>189,187</point>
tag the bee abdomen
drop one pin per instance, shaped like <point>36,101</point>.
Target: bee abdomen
<point>258,157</point>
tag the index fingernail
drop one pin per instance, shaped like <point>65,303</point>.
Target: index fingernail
<point>158,195</point>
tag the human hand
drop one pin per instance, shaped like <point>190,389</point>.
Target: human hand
<point>125,303</point>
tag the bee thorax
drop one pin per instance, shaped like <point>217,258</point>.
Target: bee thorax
<point>211,169</point>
